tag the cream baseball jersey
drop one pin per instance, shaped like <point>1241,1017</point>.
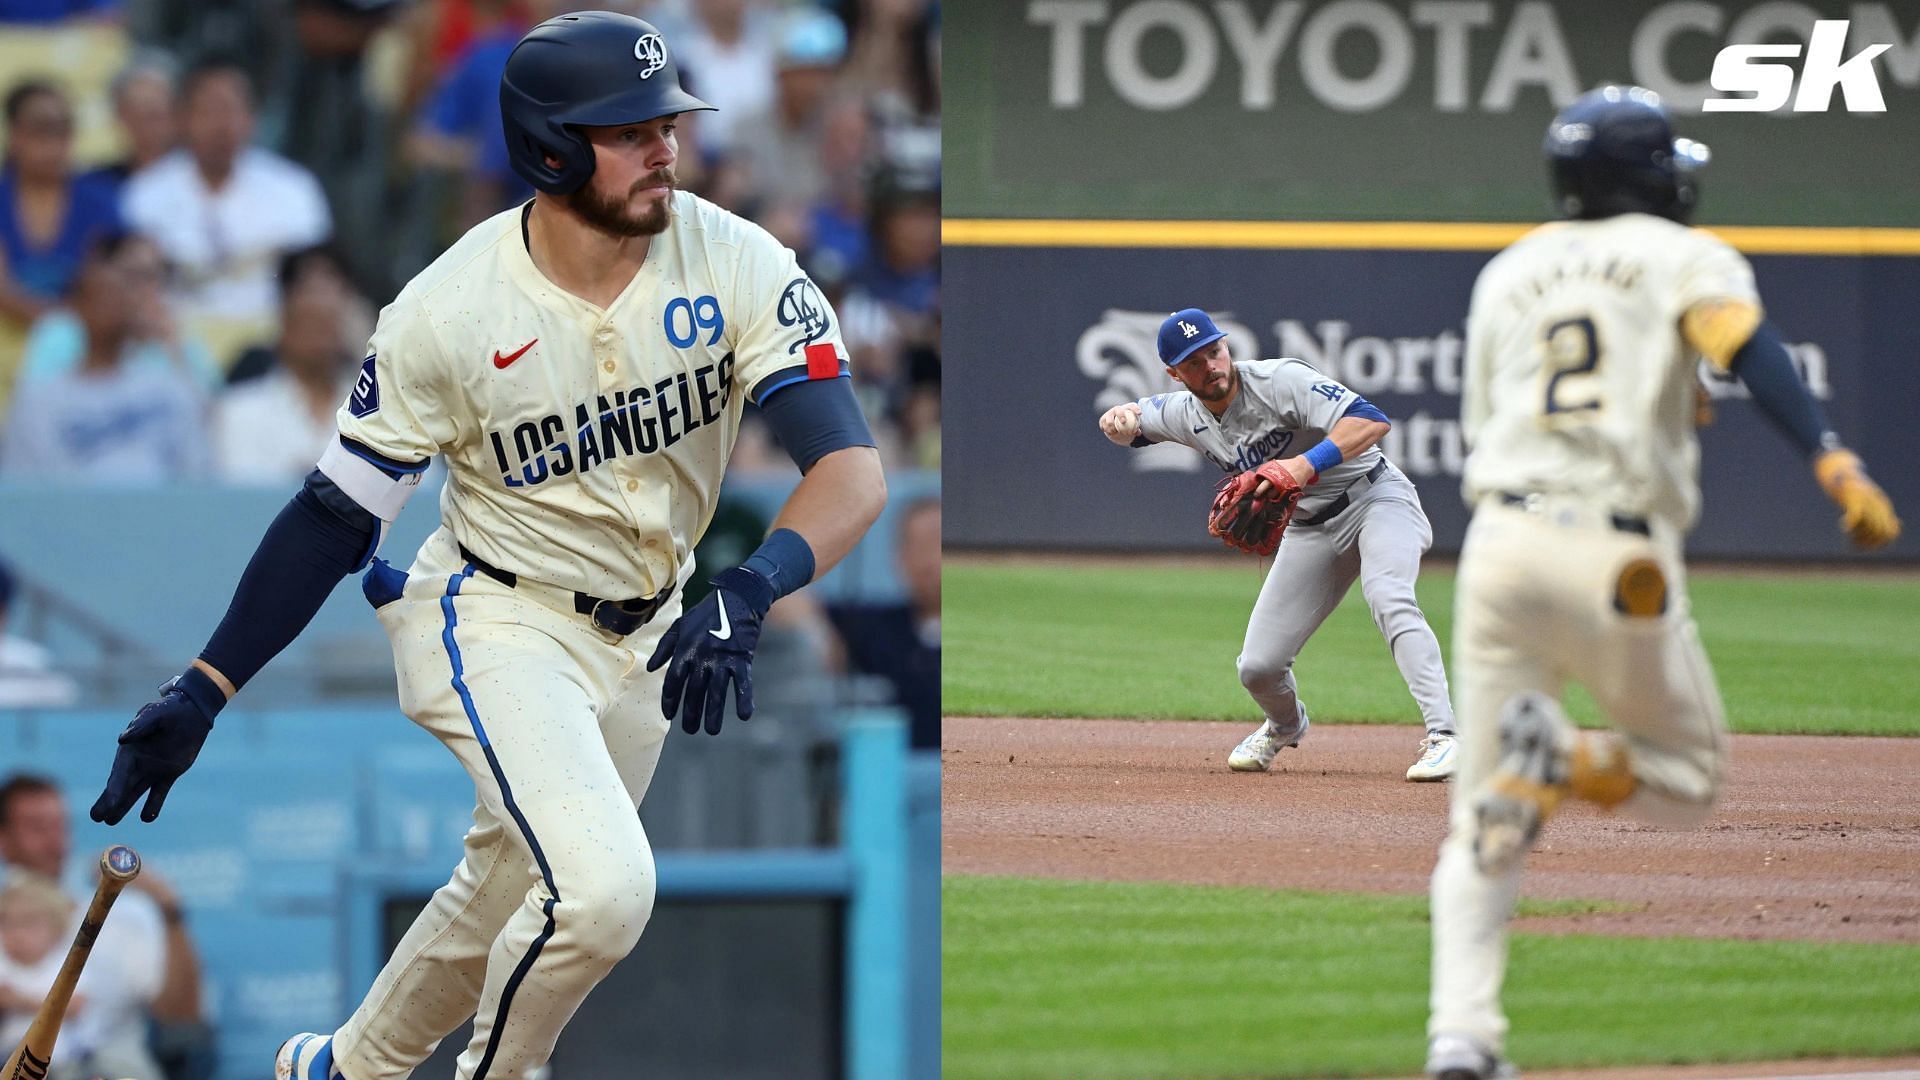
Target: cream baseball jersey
<point>1579,379</point>
<point>584,447</point>
<point>1282,409</point>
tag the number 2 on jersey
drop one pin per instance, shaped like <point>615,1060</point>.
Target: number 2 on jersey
<point>1571,347</point>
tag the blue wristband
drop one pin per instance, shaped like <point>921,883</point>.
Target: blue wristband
<point>1324,455</point>
<point>784,561</point>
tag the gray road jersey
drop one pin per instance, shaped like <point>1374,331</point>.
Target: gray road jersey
<point>1283,408</point>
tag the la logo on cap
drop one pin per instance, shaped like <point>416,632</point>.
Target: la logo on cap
<point>1188,328</point>
<point>652,51</point>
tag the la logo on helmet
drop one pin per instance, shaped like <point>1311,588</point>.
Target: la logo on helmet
<point>651,51</point>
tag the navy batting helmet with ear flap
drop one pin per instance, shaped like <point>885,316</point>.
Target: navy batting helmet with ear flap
<point>587,69</point>
<point>1612,151</point>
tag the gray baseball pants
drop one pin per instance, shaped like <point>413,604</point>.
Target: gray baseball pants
<point>1379,539</point>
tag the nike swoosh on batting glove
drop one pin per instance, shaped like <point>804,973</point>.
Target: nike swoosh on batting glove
<point>158,746</point>
<point>711,646</point>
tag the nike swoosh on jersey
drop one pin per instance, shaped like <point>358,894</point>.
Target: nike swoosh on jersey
<point>501,362</point>
<point>726,628</point>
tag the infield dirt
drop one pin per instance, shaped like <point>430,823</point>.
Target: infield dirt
<point>1815,837</point>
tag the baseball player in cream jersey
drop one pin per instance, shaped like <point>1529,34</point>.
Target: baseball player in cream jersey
<point>1582,343</point>
<point>581,363</point>
<point>1360,517</point>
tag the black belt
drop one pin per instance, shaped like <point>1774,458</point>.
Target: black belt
<point>620,617</point>
<point>1345,499</point>
<point>1623,522</point>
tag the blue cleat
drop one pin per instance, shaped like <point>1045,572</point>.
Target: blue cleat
<point>306,1056</point>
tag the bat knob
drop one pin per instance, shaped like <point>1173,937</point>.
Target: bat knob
<point>120,863</point>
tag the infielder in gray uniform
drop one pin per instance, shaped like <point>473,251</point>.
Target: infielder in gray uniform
<point>1360,517</point>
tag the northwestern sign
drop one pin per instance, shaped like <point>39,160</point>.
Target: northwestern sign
<point>1022,412</point>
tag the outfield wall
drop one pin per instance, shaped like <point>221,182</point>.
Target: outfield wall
<point>1057,324</point>
<point>1329,176</point>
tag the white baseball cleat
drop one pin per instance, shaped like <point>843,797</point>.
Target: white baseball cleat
<point>306,1056</point>
<point>1461,1057</point>
<point>1437,759</point>
<point>1256,752</point>
<point>1524,791</point>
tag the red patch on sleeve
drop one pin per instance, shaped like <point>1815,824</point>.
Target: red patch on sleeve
<point>822,362</point>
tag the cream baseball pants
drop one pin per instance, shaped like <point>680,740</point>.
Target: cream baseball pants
<point>1545,596</point>
<point>559,725</point>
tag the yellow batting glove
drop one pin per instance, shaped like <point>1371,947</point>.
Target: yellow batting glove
<point>1866,514</point>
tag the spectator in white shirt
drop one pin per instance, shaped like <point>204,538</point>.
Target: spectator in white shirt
<point>37,920</point>
<point>225,211</point>
<point>270,430</point>
<point>144,964</point>
<point>779,146</point>
<point>58,341</point>
<point>145,105</point>
<point>729,50</point>
<point>108,420</point>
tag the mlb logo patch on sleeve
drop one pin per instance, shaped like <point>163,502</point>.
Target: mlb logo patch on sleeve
<point>366,391</point>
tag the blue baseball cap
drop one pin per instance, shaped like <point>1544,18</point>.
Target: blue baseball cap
<point>1183,332</point>
<point>810,37</point>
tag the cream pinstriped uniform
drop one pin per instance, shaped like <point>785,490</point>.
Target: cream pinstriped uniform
<point>1579,397</point>
<point>585,450</point>
<point>1590,312</point>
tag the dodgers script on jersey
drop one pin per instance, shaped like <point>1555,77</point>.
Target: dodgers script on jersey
<point>584,447</point>
<point>1283,408</point>
<point>1579,379</point>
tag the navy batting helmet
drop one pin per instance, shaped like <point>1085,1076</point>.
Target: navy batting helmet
<point>590,68</point>
<point>1613,152</point>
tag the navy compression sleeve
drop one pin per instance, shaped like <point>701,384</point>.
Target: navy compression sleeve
<point>320,537</point>
<point>815,417</point>
<point>1764,365</point>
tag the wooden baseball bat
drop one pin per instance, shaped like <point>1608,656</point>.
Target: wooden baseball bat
<point>118,865</point>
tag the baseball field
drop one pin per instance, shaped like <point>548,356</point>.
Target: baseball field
<point>1119,904</point>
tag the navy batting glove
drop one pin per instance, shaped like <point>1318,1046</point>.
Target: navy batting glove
<point>710,646</point>
<point>160,744</point>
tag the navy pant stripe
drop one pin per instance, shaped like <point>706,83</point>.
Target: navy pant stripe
<point>513,809</point>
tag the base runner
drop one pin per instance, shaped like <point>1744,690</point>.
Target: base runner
<point>1578,405</point>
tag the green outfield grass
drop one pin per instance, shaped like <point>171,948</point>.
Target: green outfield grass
<point>1794,653</point>
<point>1102,981</point>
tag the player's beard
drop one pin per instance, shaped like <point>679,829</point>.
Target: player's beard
<point>612,216</point>
<point>1217,391</point>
